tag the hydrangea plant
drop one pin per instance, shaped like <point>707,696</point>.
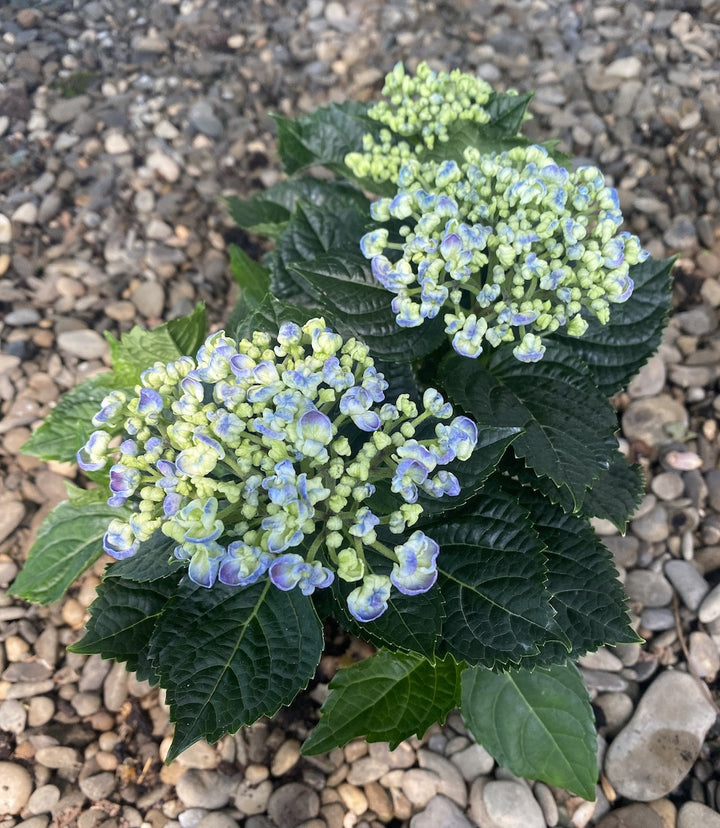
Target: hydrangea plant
<point>405,427</point>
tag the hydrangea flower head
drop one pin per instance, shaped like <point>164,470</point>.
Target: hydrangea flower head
<point>509,247</point>
<point>260,459</point>
<point>415,115</point>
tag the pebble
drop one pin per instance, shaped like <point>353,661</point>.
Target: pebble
<point>658,746</point>
<point>204,789</point>
<point>697,815</point>
<point>473,761</point>
<point>164,166</point>
<point>16,785</point>
<point>648,588</point>
<point>43,799</point>
<point>253,799</point>
<point>650,380</point>
<point>704,656</point>
<point>63,758</point>
<point>632,816</point>
<point>13,716</point>
<point>84,343</point>
<point>98,786</point>
<point>667,485</point>
<point>5,230</point>
<point>689,583</point>
<point>709,609</point>
<point>292,804</point>
<point>504,804</point>
<point>440,812</point>
<point>204,120</point>
<point>149,299</point>
<point>420,786</point>
<point>647,419</point>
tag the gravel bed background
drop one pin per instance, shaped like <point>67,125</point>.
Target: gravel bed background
<point>121,127</point>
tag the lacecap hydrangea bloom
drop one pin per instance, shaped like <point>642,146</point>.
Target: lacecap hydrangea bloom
<point>260,458</point>
<point>415,116</point>
<point>508,246</point>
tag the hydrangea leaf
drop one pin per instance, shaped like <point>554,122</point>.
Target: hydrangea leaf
<point>356,305</point>
<point>269,212</point>
<point>139,348</point>
<point>614,495</point>
<point>492,578</point>
<point>154,560</point>
<point>538,724</point>
<point>68,426</point>
<point>68,542</point>
<point>385,698</point>
<point>324,137</point>
<point>227,656</point>
<point>122,620</point>
<point>267,316</point>
<point>253,278</point>
<point>615,352</point>
<point>311,233</point>
<point>507,113</point>
<point>581,578</point>
<point>569,426</point>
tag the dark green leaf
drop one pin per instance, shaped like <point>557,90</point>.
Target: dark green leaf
<point>507,113</point>
<point>617,351</point>
<point>325,136</point>
<point>138,349</point>
<point>491,575</point>
<point>357,305</point>
<point>267,316</point>
<point>614,495</point>
<point>385,698</point>
<point>229,655</point>
<point>253,278</point>
<point>582,579</point>
<point>538,724</point>
<point>154,560</point>
<point>67,427</point>
<point>268,212</point>
<point>568,425</point>
<point>68,542</point>
<point>122,620</point>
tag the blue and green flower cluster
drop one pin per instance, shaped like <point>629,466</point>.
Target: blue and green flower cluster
<point>261,458</point>
<point>419,109</point>
<point>509,246</point>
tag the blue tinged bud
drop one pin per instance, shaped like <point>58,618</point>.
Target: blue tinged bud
<point>93,455</point>
<point>119,540</point>
<point>364,525</point>
<point>123,483</point>
<point>416,569</point>
<point>243,564</point>
<point>205,564</point>
<point>290,570</point>
<point>369,601</point>
<point>530,349</point>
<point>150,405</point>
<point>111,408</point>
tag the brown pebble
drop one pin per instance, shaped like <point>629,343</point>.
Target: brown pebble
<point>73,613</point>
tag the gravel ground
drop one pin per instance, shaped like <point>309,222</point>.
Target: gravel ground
<point>121,126</point>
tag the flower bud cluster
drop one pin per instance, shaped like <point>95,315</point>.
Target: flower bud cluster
<point>419,109</point>
<point>509,245</point>
<point>261,456</point>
